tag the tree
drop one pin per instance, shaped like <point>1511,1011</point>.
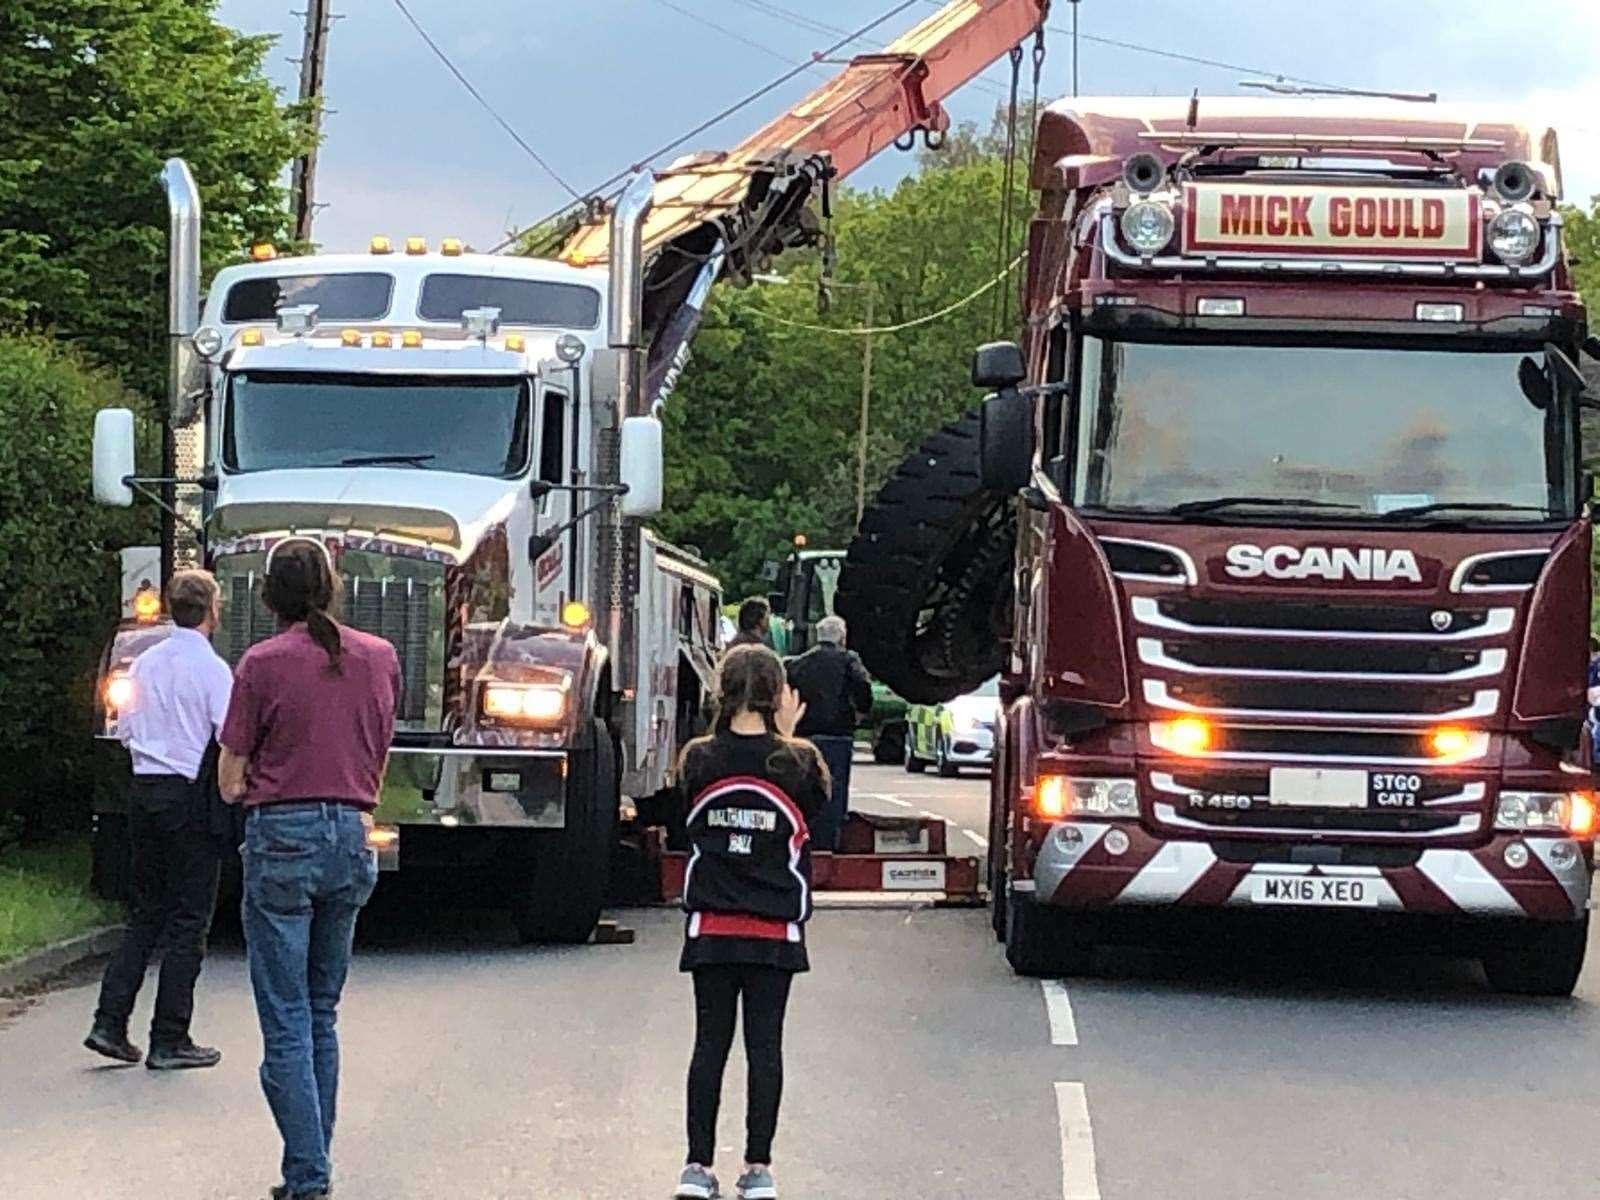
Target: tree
<point>1582,236</point>
<point>762,434</point>
<point>61,594</point>
<point>97,94</point>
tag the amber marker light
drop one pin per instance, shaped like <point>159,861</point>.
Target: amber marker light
<point>263,252</point>
<point>1052,796</point>
<point>516,343</point>
<point>251,337</point>
<point>575,614</point>
<point>450,247</point>
<point>382,339</point>
<point>411,339</point>
<point>350,337</point>
<point>416,245</point>
<point>380,245</point>
<point>146,605</point>
<point>1186,735</point>
<point>1449,741</point>
<point>1581,822</point>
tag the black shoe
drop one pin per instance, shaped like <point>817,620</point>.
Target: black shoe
<point>182,1057</point>
<point>112,1044</point>
<point>281,1192</point>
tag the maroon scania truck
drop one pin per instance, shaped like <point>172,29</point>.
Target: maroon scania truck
<point>1299,606</point>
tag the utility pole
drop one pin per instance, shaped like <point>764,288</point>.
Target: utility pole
<point>313,66</point>
<point>1075,47</point>
<point>871,290</point>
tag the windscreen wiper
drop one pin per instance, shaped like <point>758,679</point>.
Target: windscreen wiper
<point>1190,507</point>
<point>1468,506</point>
<point>378,460</point>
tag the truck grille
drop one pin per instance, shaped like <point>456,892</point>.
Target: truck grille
<point>1305,617</point>
<point>400,600</point>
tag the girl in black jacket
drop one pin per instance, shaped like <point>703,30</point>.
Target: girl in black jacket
<point>752,789</point>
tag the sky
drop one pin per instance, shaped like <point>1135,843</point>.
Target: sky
<point>593,85</point>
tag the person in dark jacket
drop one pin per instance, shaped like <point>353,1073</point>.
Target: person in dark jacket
<point>753,789</point>
<point>755,622</point>
<point>837,692</point>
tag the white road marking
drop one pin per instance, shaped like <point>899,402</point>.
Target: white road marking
<point>932,816</point>
<point>1063,1029</point>
<point>982,841</point>
<point>897,801</point>
<point>884,796</point>
<point>1078,1178</point>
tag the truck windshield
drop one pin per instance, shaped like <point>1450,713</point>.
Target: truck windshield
<point>1347,433</point>
<point>279,419</point>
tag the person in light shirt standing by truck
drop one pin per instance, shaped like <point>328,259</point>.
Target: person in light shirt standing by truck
<point>179,692</point>
<point>304,748</point>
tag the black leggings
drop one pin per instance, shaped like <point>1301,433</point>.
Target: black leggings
<point>716,995</point>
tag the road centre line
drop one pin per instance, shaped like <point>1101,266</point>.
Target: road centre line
<point>1079,1180</point>
<point>895,800</point>
<point>1063,1028</point>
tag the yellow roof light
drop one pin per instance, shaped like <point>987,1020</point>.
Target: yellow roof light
<point>416,245</point>
<point>350,337</point>
<point>450,247</point>
<point>575,614</point>
<point>263,251</point>
<point>382,339</point>
<point>251,337</point>
<point>411,339</point>
<point>380,245</point>
<point>516,343</point>
<point>800,541</point>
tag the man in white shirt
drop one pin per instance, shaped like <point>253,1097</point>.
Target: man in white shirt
<point>179,698</point>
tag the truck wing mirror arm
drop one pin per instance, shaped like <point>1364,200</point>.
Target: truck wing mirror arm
<point>540,543</point>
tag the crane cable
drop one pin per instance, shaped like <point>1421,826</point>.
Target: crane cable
<point>1002,298</point>
<point>874,330</point>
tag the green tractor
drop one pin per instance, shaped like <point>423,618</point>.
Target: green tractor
<point>803,589</point>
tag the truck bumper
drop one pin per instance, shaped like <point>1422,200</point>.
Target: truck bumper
<point>1090,865</point>
<point>518,789</point>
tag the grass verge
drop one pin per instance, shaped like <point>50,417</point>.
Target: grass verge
<point>45,897</point>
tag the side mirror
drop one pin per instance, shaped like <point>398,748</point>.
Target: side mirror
<point>998,365</point>
<point>1591,346</point>
<point>776,602</point>
<point>1563,369</point>
<point>1586,487</point>
<point>1005,441</point>
<point>642,467</point>
<point>113,456</point>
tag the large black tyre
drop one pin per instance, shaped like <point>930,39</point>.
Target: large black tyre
<point>889,744</point>
<point>927,582</point>
<point>941,759</point>
<point>1045,941</point>
<point>1542,959</point>
<point>561,902</point>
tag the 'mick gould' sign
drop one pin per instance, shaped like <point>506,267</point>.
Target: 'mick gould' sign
<point>1263,219</point>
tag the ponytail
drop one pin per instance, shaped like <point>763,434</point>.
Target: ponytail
<point>300,587</point>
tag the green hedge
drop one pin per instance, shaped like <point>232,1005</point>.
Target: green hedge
<point>59,582</point>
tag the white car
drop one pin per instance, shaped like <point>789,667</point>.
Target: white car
<point>959,733</point>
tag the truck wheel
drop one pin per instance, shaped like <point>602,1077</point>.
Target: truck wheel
<point>1044,941</point>
<point>570,867</point>
<point>1543,959</point>
<point>927,582</point>
<point>997,901</point>
<point>941,755</point>
<point>914,765</point>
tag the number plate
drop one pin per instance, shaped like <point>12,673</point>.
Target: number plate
<point>1319,891</point>
<point>1318,787</point>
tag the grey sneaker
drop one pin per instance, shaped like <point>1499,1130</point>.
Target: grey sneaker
<point>756,1184</point>
<point>697,1183</point>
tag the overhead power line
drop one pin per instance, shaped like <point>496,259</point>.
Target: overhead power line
<point>715,119</point>
<point>484,103</point>
<point>873,331</point>
<point>730,33</point>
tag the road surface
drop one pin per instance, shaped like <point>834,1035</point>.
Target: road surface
<point>919,1067</point>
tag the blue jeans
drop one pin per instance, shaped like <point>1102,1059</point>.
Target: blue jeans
<point>837,753</point>
<point>307,872</point>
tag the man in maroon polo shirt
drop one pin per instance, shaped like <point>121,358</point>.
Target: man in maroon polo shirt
<point>304,747</point>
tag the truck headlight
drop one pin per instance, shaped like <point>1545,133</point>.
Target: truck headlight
<point>1148,226</point>
<point>1514,237</point>
<point>1059,796</point>
<point>1546,812</point>
<point>525,703</point>
<point>118,690</point>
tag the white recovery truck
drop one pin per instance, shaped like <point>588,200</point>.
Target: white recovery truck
<point>466,435</point>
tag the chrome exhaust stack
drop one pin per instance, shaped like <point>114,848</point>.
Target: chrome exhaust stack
<point>183,292</point>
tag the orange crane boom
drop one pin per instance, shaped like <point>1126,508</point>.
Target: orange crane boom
<point>876,100</point>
